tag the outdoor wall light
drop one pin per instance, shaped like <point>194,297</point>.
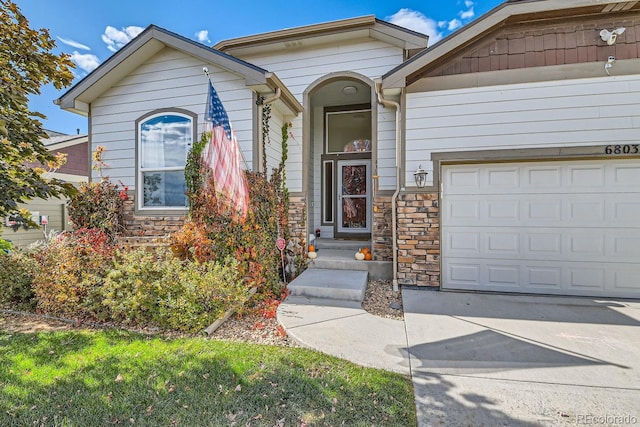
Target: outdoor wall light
<point>609,64</point>
<point>421,177</point>
<point>349,90</point>
<point>611,36</point>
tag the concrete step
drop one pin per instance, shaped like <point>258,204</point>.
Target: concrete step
<point>344,259</point>
<point>352,245</point>
<point>338,259</point>
<point>347,285</point>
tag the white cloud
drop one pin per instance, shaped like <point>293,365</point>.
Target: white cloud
<point>467,14</point>
<point>115,38</point>
<point>416,21</point>
<point>74,44</point>
<point>203,36</point>
<point>454,24</point>
<point>86,61</point>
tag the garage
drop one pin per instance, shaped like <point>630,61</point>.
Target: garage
<point>552,227</point>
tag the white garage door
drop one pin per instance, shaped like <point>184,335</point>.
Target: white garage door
<point>569,228</point>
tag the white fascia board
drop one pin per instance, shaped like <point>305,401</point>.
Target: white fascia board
<point>136,52</point>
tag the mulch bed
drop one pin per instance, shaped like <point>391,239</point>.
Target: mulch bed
<point>249,326</point>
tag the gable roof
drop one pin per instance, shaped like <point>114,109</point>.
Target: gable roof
<point>147,44</point>
<point>310,35</point>
<point>59,140</point>
<point>509,12</point>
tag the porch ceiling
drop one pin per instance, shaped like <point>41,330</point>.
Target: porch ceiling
<point>331,94</point>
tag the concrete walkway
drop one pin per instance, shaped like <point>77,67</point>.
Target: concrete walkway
<point>491,360</point>
<point>344,329</point>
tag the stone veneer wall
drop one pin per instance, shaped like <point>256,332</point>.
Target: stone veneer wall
<point>159,226</point>
<point>298,218</point>
<point>382,234</point>
<point>149,225</point>
<point>418,239</point>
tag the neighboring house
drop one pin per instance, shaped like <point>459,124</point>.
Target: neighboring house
<point>75,170</point>
<point>529,132</point>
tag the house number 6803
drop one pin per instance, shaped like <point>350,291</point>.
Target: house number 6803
<point>622,149</point>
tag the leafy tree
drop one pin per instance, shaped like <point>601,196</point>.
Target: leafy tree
<point>26,64</point>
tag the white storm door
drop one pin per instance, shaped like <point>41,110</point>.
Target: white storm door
<point>354,196</point>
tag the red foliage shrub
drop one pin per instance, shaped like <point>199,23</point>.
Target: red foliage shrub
<point>212,232</point>
<point>70,271</point>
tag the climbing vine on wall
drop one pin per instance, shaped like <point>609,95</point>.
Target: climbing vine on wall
<point>211,233</point>
<point>296,247</point>
<point>266,120</point>
<point>192,168</point>
<point>283,173</point>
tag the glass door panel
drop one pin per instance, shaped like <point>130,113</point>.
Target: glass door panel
<point>354,188</point>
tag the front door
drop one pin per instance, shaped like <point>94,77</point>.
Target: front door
<point>354,196</point>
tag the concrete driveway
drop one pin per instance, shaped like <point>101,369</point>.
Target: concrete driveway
<point>498,360</point>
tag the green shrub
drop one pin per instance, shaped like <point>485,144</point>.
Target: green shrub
<point>70,270</point>
<point>154,288</point>
<point>81,275</point>
<point>16,280</point>
<point>5,246</point>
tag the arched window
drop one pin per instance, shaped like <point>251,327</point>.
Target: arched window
<point>164,139</point>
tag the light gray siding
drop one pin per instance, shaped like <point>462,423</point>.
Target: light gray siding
<point>298,69</point>
<point>53,208</point>
<point>171,79</point>
<point>386,148</point>
<point>577,112</point>
<point>294,159</point>
<point>273,144</point>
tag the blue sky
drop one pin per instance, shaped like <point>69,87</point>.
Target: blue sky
<point>92,31</point>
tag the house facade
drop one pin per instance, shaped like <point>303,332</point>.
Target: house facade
<point>526,121</point>
<point>51,213</point>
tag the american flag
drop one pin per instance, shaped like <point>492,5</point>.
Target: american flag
<point>222,155</point>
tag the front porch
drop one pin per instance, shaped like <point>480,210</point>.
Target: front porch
<point>338,254</point>
<point>336,275</point>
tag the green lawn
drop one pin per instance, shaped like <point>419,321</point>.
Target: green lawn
<point>121,378</point>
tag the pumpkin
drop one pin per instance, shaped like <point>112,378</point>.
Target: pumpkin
<point>365,250</point>
<point>367,256</point>
<point>312,255</point>
<point>359,256</point>
<point>312,248</point>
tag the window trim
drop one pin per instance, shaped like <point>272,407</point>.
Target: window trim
<point>346,109</point>
<point>139,188</point>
